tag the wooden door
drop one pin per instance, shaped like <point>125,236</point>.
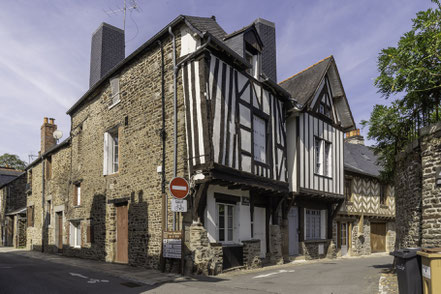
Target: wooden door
<point>59,226</point>
<point>293,227</point>
<point>378,237</point>
<point>122,234</point>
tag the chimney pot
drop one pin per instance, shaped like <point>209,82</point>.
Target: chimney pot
<point>51,121</point>
<point>45,120</point>
<point>354,137</point>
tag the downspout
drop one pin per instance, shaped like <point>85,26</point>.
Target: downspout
<point>42,205</point>
<point>175,115</point>
<point>162,134</point>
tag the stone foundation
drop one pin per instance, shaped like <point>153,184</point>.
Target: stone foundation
<point>251,254</point>
<point>203,257</point>
<point>276,256</point>
<point>310,249</point>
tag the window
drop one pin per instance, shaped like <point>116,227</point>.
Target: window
<point>259,129</point>
<point>30,216</point>
<point>111,152</point>
<point>77,194</point>
<point>225,222</point>
<point>325,105</point>
<point>114,88</point>
<point>348,189</point>
<point>322,157</point>
<point>49,212</point>
<point>383,189</point>
<point>253,59</point>
<point>313,224</point>
<point>75,234</point>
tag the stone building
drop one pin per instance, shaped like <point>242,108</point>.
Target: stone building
<point>48,180</point>
<point>418,191</point>
<point>365,222</point>
<point>193,102</point>
<point>13,209</point>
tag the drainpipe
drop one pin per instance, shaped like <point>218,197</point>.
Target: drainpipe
<point>175,115</point>
<point>163,133</point>
<point>42,205</point>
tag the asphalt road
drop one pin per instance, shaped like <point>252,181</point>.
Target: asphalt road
<point>20,274</point>
<point>23,275</point>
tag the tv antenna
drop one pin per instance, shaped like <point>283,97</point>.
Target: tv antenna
<point>133,6</point>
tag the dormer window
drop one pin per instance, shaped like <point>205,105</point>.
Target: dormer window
<point>325,106</point>
<point>252,55</point>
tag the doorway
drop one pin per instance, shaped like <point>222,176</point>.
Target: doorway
<point>59,230</point>
<point>122,234</point>
<point>378,237</point>
<point>293,228</point>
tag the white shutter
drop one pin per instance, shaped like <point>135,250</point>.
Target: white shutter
<point>71,235</point>
<point>106,154</point>
<point>78,239</point>
<point>323,224</point>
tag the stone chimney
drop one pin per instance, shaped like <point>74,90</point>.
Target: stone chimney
<point>47,130</point>
<point>267,33</point>
<point>354,137</point>
<point>108,49</point>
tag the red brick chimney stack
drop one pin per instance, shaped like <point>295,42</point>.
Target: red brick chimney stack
<point>354,137</point>
<point>47,130</point>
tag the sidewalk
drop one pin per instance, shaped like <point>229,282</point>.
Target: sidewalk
<point>135,274</point>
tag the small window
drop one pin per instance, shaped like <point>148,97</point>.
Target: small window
<point>75,234</point>
<point>348,190</point>
<point>77,194</point>
<point>325,106</point>
<point>313,224</point>
<point>259,132</point>
<point>225,222</point>
<point>322,157</point>
<point>111,152</point>
<point>253,59</point>
<point>383,189</point>
<point>114,87</point>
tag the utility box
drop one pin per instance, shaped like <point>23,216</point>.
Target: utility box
<point>431,270</point>
<point>408,267</point>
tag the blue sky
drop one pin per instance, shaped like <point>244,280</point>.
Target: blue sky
<point>45,48</point>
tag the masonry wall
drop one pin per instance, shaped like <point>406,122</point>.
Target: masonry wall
<point>139,120</point>
<point>418,199</point>
<point>34,232</point>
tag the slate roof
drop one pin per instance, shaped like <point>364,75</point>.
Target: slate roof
<point>302,85</point>
<point>8,174</point>
<point>206,24</point>
<point>361,159</point>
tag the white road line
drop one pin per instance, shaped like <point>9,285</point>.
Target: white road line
<point>78,275</point>
<point>273,273</point>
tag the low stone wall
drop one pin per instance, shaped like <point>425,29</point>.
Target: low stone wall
<point>251,254</point>
<point>276,256</point>
<point>204,257</point>
<point>390,236</point>
<point>310,249</point>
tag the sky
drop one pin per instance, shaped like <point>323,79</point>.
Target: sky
<point>45,48</point>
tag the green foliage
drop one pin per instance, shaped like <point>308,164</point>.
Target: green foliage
<point>413,69</point>
<point>13,161</point>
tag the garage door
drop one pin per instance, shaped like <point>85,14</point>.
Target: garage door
<point>378,237</point>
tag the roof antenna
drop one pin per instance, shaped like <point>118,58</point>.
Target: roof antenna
<point>132,6</point>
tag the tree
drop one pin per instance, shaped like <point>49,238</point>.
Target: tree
<point>13,161</point>
<point>412,69</point>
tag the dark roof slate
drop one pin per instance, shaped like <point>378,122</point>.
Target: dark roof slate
<point>7,175</point>
<point>302,85</point>
<point>361,159</point>
<point>207,24</point>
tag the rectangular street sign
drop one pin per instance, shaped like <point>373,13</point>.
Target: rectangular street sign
<point>172,244</point>
<point>178,205</point>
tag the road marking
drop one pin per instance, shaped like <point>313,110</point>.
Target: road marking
<point>91,280</point>
<point>78,275</point>
<point>273,273</point>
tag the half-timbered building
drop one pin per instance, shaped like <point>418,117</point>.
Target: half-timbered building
<point>315,131</point>
<point>366,221</point>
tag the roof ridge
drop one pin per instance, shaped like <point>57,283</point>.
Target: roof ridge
<point>309,67</point>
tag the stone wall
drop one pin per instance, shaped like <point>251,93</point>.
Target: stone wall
<point>251,254</point>
<point>418,199</point>
<point>276,256</point>
<point>390,236</point>
<point>361,238</point>
<point>202,257</point>
<point>310,249</point>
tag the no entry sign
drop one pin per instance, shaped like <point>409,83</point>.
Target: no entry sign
<point>179,187</point>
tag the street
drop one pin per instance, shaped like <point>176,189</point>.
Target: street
<point>19,274</point>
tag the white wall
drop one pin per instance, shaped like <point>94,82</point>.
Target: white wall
<point>291,146</point>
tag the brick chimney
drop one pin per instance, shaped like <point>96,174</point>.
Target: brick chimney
<point>108,50</point>
<point>354,137</point>
<point>47,130</point>
<point>267,33</point>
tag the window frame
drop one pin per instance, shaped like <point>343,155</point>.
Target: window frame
<point>76,234</point>
<point>383,194</point>
<point>114,83</point>
<point>77,194</point>
<point>111,160</point>
<point>226,226</point>
<point>322,157</point>
<point>265,121</point>
<point>313,216</point>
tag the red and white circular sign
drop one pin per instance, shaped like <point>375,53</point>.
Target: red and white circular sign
<point>179,187</point>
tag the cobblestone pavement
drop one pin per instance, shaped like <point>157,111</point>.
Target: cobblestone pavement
<point>388,283</point>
